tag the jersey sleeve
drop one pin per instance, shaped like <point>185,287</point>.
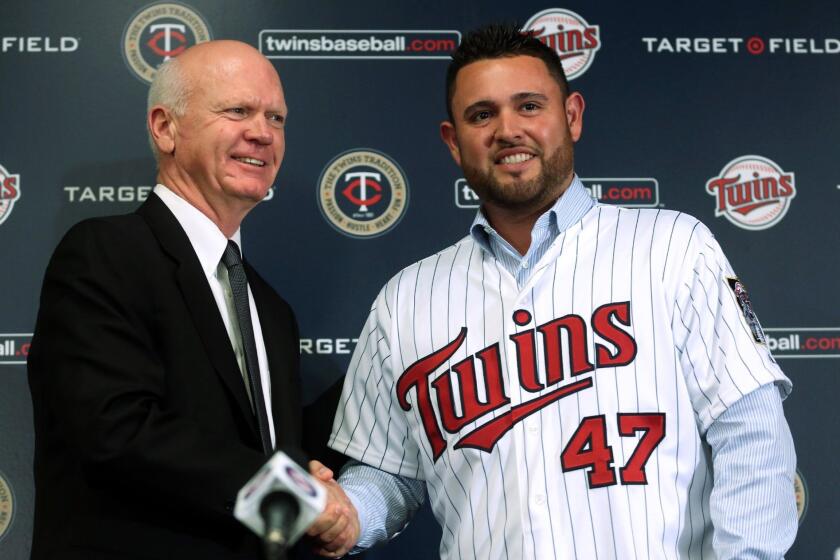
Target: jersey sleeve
<point>370,426</point>
<point>719,341</point>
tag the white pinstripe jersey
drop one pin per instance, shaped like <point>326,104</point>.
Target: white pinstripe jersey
<point>563,419</point>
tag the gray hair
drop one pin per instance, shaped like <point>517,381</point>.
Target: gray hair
<point>169,89</point>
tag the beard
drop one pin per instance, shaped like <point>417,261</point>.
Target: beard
<point>521,194</point>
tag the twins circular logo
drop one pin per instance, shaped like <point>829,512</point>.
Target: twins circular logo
<point>7,509</point>
<point>571,36</point>
<point>752,192</point>
<point>159,32</point>
<point>362,193</point>
<point>9,193</point>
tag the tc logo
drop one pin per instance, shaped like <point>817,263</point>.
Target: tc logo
<point>167,32</point>
<point>159,32</point>
<point>359,182</point>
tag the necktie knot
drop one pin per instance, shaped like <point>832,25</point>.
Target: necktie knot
<point>231,257</point>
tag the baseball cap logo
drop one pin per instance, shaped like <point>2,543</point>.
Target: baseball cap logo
<point>752,192</point>
<point>571,37</point>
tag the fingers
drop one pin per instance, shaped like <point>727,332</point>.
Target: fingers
<point>336,530</point>
<point>320,471</point>
<point>332,515</point>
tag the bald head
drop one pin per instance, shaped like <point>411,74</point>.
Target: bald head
<point>217,119</point>
<point>199,66</point>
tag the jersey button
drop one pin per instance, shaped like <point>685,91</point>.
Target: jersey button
<point>539,499</point>
<point>524,264</point>
<point>533,429</point>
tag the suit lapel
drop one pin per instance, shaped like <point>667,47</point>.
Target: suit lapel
<point>199,300</point>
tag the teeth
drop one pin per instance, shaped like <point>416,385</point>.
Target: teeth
<point>516,158</point>
<point>250,161</point>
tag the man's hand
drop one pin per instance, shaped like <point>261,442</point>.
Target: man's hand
<point>336,530</point>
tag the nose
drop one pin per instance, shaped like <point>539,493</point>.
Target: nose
<point>259,130</point>
<point>508,127</point>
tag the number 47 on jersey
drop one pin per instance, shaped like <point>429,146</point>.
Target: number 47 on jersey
<point>588,448</point>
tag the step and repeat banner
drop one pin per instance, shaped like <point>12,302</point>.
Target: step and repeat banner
<point>727,111</point>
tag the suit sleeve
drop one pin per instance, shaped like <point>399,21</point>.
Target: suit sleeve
<point>97,375</point>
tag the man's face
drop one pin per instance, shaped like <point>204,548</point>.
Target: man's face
<point>513,132</point>
<point>230,142</point>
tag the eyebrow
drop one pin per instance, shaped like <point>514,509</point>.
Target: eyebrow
<point>521,96</point>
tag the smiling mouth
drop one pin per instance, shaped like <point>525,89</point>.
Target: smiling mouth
<point>250,161</point>
<point>515,158</point>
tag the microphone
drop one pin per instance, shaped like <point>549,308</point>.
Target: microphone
<point>279,503</point>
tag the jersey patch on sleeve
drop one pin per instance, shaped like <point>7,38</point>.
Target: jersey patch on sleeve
<point>743,299</point>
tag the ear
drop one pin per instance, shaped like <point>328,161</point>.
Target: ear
<point>574,114</point>
<point>447,134</point>
<point>162,127</point>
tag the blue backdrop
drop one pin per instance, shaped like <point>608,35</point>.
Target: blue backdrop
<point>680,99</point>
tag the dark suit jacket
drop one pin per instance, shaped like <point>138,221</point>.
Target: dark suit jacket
<point>143,429</point>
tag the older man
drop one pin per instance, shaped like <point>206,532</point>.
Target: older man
<point>163,369</point>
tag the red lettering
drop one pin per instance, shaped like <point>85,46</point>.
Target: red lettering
<point>578,353</point>
<point>9,189</point>
<point>602,323</point>
<point>591,36</point>
<point>618,349</point>
<point>526,353</point>
<point>417,376</point>
<point>719,187</point>
<point>471,407</point>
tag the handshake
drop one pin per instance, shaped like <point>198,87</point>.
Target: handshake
<point>282,502</point>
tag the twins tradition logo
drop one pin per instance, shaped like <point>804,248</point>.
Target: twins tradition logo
<point>752,192</point>
<point>362,193</point>
<point>159,32</point>
<point>574,40</point>
<point>9,192</point>
<point>608,322</point>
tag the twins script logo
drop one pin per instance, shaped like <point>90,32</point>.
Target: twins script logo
<point>574,40</point>
<point>9,192</point>
<point>608,322</point>
<point>752,192</point>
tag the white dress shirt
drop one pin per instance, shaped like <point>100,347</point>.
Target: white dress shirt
<point>209,243</point>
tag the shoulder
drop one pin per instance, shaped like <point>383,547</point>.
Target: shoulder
<point>123,231</point>
<point>405,283</point>
<point>667,227</point>
<point>112,254</point>
<point>457,254</point>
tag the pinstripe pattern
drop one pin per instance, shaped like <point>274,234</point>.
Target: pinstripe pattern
<point>695,358</point>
